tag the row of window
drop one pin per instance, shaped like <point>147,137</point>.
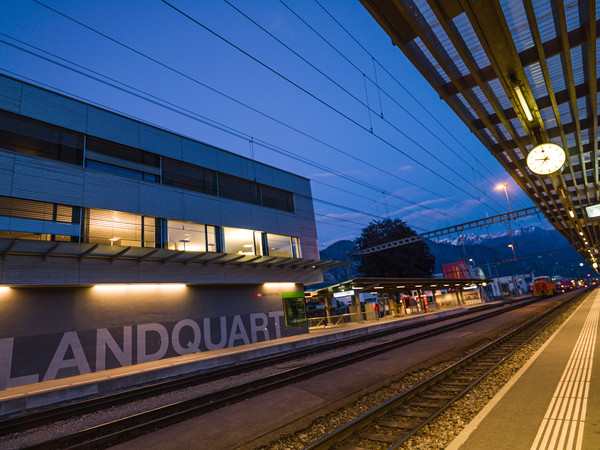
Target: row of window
<point>100,226</point>
<point>36,138</point>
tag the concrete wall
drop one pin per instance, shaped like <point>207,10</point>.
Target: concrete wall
<point>50,181</point>
<point>49,333</point>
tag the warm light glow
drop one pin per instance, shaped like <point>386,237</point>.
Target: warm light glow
<point>279,285</point>
<point>418,285</point>
<point>595,265</point>
<point>523,102</point>
<point>400,287</point>
<point>510,245</point>
<point>446,285</point>
<point>4,289</point>
<point>501,186</point>
<point>433,285</point>
<point>356,287</point>
<point>378,287</point>
<point>138,287</point>
<point>571,213</point>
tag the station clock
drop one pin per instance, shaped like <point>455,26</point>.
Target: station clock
<point>546,159</point>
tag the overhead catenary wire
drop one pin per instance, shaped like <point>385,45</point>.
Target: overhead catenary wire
<point>395,79</point>
<point>251,108</point>
<point>327,105</point>
<point>354,97</point>
<point>230,130</point>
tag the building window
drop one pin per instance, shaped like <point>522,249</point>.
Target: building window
<point>239,189</point>
<point>32,209</point>
<point>277,198</point>
<point>188,176</point>
<point>36,138</point>
<point>279,245</point>
<point>186,236</point>
<point>122,152</point>
<point>238,240</point>
<point>113,228</point>
<point>122,171</point>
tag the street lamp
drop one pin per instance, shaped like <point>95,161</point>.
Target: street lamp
<point>512,242</point>
<point>503,186</point>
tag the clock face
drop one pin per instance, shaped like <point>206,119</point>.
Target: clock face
<point>546,159</point>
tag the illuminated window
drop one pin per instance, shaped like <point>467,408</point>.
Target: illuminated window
<point>186,236</point>
<point>238,240</point>
<point>113,228</point>
<point>280,245</point>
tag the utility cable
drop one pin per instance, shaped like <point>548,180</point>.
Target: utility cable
<point>354,97</point>
<point>200,118</point>
<point>272,118</point>
<point>406,91</point>
<point>327,105</point>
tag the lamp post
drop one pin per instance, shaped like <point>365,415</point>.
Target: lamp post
<point>503,186</point>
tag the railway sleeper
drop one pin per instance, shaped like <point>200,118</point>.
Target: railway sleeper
<point>430,405</point>
<point>391,423</point>
<point>437,396</point>
<point>413,413</point>
<point>380,437</point>
<point>457,383</point>
<point>449,388</point>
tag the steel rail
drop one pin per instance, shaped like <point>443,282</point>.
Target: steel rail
<point>129,427</point>
<point>350,429</point>
<point>60,413</point>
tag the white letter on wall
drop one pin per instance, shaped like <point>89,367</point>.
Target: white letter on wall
<point>69,340</point>
<point>104,339</point>
<point>142,330</point>
<point>277,315</point>
<point>256,327</point>
<point>237,332</point>
<point>207,334</point>
<point>191,347</point>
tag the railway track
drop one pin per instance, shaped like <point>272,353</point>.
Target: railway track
<point>130,427</point>
<point>395,421</point>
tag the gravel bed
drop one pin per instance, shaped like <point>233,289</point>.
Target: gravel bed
<point>42,434</point>
<point>299,440</point>
<point>443,429</point>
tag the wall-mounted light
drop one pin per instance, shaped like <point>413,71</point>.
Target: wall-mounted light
<point>279,285</point>
<point>138,287</point>
<point>572,214</point>
<point>522,101</point>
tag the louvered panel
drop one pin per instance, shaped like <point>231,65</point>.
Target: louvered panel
<point>471,40</point>
<point>514,12</point>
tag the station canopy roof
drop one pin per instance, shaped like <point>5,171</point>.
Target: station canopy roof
<point>518,73</point>
<point>395,285</point>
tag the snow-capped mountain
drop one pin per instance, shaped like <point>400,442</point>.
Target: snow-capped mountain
<point>538,250</point>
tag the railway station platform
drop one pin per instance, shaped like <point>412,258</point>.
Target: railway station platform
<point>21,399</point>
<point>553,401</point>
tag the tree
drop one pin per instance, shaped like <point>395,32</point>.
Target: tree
<point>406,261</point>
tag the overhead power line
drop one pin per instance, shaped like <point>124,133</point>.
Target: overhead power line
<point>251,108</point>
<point>235,132</point>
<point>354,97</point>
<point>324,103</point>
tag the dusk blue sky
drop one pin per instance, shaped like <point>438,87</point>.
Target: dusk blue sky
<point>274,101</point>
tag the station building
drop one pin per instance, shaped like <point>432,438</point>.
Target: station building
<point>123,243</point>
